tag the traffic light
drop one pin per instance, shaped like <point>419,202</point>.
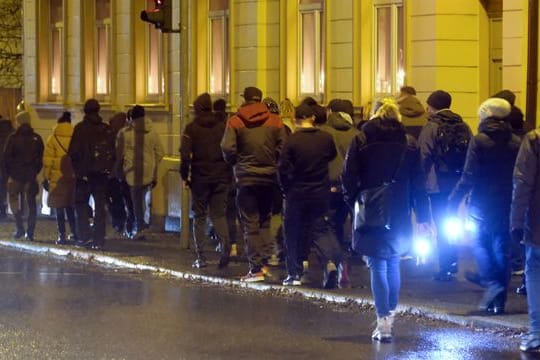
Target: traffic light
<point>160,15</point>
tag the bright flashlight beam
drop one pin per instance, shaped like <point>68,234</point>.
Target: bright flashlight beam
<point>422,247</point>
<point>453,228</point>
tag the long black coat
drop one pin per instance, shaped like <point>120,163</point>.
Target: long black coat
<point>372,159</point>
<point>487,174</point>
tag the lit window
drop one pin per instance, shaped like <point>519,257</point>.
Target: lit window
<point>219,45</point>
<point>56,25</point>
<point>312,48</point>
<point>103,47</point>
<point>389,54</point>
<point>155,81</point>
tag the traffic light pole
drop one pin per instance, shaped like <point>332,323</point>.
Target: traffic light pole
<point>184,111</point>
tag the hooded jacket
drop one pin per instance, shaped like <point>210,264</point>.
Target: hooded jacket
<point>525,210</point>
<point>382,151</point>
<point>341,127</point>
<point>487,174</point>
<point>139,151</point>
<point>23,154</point>
<point>252,143</point>
<point>413,114</point>
<point>200,151</point>
<point>436,182</point>
<point>6,129</point>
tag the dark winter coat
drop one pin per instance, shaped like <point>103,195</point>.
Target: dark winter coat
<point>372,159</point>
<point>23,154</point>
<point>6,129</point>
<point>487,174</point>
<point>342,132</point>
<point>85,134</point>
<point>525,210</point>
<point>200,151</point>
<point>252,143</point>
<point>303,165</point>
<point>435,181</point>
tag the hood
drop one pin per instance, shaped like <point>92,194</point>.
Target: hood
<point>207,120</point>
<point>63,129</point>
<point>498,130</point>
<point>202,103</point>
<point>410,106</point>
<point>142,124</point>
<point>339,121</point>
<point>93,118</point>
<point>117,122</point>
<point>384,130</point>
<point>24,129</point>
<point>6,125</point>
<point>445,115</point>
<point>253,114</point>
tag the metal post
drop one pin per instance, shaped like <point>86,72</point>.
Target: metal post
<point>184,111</point>
<point>532,65</point>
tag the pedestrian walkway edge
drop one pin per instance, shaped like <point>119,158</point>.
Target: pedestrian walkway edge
<point>310,294</point>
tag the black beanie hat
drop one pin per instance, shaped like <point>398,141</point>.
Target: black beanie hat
<point>203,103</point>
<point>65,117</point>
<point>137,112</point>
<point>91,106</point>
<point>303,111</point>
<point>439,100</point>
<point>506,95</point>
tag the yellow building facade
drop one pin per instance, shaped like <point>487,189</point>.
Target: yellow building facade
<point>351,49</point>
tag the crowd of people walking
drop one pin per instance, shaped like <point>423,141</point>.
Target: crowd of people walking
<point>343,187</point>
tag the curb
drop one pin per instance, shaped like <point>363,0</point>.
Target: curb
<point>475,322</point>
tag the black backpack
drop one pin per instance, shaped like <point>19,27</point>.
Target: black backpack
<point>451,143</point>
<point>101,154</point>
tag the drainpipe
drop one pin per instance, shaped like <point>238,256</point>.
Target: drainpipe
<point>532,65</point>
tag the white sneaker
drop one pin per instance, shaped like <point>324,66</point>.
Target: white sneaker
<point>383,331</point>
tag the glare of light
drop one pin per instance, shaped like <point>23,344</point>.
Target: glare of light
<point>453,228</point>
<point>470,226</point>
<point>422,247</point>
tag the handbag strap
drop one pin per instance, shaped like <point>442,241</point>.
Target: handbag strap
<point>59,143</point>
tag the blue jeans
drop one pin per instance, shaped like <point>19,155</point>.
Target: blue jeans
<point>385,283</point>
<point>532,278</point>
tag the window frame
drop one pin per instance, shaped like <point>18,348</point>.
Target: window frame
<point>107,24</point>
<point>158,97</point>
<point>222,15</point>
<point>397,74</point>
<point>53,27</point>
<point>320,48</point>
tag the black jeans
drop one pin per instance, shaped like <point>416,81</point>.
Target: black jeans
<point>21,195</point>
<point>138,196</point>
<point>95,185</point>
<point>61,214</point>
<point>337,215</point>
<point>120,205</point>
<point>210,200</point>
<point>447,251</point>
<point>305,226</point>
<point>255,205</point>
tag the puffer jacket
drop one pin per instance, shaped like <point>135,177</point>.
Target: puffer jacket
<point>525,210</point>
<point>487,174</point>
<point>436,182</point>
<point>23,154</point>
<point>373,158</point>
<point>6,129</point>
<point>342,131</point>
<point>57,167</point>
<point>252,143</point>
<point>138,152</point>
<point>200,151</point>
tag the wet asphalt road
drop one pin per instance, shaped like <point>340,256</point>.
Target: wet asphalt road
<point>50,309</point>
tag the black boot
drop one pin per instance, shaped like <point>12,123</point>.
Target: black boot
<point>19,228</point>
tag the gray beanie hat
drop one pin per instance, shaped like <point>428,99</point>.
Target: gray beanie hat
<point>494,108</point>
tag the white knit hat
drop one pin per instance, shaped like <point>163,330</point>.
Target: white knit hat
<point>494,108</point>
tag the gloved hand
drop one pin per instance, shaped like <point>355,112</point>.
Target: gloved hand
<point>517,235</point>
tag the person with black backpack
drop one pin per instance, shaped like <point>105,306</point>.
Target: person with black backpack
<point>443,145</point>
<point>92,154</point>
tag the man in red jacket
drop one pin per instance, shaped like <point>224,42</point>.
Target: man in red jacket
<point>252,142</point>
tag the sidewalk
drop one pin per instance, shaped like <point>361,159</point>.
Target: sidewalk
<point>161,253</point>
